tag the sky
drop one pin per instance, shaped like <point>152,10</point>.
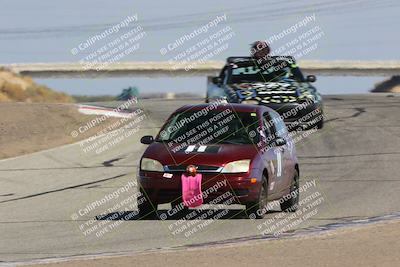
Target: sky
<point>47,30</point>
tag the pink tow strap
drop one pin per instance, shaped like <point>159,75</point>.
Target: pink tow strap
<point>191,190</point>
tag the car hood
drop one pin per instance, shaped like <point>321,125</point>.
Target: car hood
<point>213,155</point>
<point>273,92</point>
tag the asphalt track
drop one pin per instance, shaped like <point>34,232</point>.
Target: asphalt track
<point>354,160</point>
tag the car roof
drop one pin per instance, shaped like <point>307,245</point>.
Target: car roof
<point>221,107</point>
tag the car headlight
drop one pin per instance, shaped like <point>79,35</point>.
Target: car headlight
<point>151,165</point>
<point>237,166</point>
<point>250,102</point>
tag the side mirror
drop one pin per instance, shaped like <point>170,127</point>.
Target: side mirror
<point>280,141</point>
<point>147,139</point>
<point>311,78</point>
<point>216,80</point>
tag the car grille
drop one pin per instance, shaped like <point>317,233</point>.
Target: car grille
<point>200,168</point>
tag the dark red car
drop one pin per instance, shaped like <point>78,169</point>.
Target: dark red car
<point>244,149</point>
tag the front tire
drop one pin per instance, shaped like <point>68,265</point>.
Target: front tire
<point>320,124</point>
<point>257,209</point>
<point>207,100</point>
<point>145,207</point>
<point>292,203</point>
<point>178,204</point>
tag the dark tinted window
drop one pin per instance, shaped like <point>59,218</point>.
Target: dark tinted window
<point>280,126</point>
<point>268,125</point>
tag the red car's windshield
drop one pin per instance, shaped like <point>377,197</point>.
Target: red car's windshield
<point>214,127</point>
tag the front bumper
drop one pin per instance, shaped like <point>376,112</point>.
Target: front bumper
<point>159,189</point>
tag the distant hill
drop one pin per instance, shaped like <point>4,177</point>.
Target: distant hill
<point>391,85</point>
<point>18,88</point>
<point>93,98</point>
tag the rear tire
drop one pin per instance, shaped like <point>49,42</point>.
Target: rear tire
<point>291,204</point>
<point>257,209</point>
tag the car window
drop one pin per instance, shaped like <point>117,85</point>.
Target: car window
<point>268,125</point>
<point>253,73</point>
<point>280,126</point>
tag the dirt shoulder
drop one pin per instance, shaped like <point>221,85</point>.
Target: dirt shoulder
<point>374,245</point>
<point>30,127</point>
